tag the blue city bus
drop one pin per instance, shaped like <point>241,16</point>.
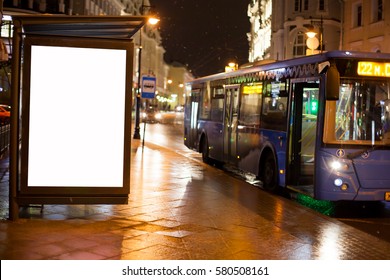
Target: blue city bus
<point>318,124</point>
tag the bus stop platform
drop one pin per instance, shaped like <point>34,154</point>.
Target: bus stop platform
<point>181,209</point>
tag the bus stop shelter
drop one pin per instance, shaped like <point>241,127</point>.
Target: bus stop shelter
<point>65,69</point>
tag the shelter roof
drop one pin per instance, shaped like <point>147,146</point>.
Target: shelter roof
<point>112,27</point>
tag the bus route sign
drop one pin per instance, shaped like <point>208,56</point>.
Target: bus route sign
<point>148,87</point>
<point>375,69</point>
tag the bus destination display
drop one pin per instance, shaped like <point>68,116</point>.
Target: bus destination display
<point>375,69</point>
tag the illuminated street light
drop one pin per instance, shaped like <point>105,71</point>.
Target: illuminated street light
<point>153,20</point>
<point>311,33</point>
<point>232,66</point>
<point>312,42</point>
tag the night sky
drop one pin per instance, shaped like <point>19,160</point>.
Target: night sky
<point>204,35</point>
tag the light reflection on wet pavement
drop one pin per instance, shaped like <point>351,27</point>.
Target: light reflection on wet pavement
<point>180,208</point>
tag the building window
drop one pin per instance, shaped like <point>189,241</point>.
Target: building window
<point>377,10</point>
<point>357,13</point>
<point>299,48</point>
<point>296,5</point>
<point>300,5</point>
<point>380,9</point>
<point>322,5</point>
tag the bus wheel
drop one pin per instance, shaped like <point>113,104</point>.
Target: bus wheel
<point>205,150</point>
<point>268,174</point>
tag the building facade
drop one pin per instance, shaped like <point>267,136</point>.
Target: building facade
<point>175,94</point>
<point>149,39</point>
<point>169,78</point>
<point>366,25</point>
<point>301,16</point>
<point>357,25</point>
<point>284,24</point>
<point>259,37</point>
<point>68,7</point>
<point>94,7</point>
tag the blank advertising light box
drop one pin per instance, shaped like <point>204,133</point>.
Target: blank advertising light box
<point>77,118</point>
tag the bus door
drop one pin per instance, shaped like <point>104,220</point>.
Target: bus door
<point>302,139</point>
<point>191,119</point>
<point>230,124</point>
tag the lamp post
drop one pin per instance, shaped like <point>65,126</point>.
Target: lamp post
<point>152,21</point>
<point>311,34</point>
<point>137,134</point>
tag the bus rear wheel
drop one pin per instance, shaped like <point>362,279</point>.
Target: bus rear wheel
<point>268,174</point>
<point>205,150</point>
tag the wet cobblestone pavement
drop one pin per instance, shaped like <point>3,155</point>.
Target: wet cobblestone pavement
<point>181,209</point>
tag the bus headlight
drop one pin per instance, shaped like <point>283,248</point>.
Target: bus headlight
<point>336,165</point>
<point>340,184</point>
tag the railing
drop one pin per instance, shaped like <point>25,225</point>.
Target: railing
<point>5,131</point>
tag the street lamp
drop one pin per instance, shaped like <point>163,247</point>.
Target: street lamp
<point>312,41</point>
<point>232,66</point>
<point>152,21</point>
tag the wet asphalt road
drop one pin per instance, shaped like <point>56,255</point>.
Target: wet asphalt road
<point>372,218</point>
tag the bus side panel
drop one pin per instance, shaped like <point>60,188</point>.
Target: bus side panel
<point>214,135</point>
<point>277,141</point>
<point>252,143</point>
<point>248,149</point>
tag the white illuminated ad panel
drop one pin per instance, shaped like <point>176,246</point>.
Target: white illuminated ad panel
<point>77,114</point>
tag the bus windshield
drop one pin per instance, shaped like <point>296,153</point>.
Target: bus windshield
<point>361,116</point>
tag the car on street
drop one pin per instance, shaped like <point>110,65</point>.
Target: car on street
<point>151,115</point>
<point>5,113</point>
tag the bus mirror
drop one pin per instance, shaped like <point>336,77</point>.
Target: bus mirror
<point>332,83</point>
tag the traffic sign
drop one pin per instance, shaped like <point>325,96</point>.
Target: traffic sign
<point>148,87</point>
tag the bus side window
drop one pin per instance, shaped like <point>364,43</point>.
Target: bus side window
<point>250,107</point>
<point>217,104</point>
<point>205,97</point>
<point>217,109</point>
<point>274,113</point>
